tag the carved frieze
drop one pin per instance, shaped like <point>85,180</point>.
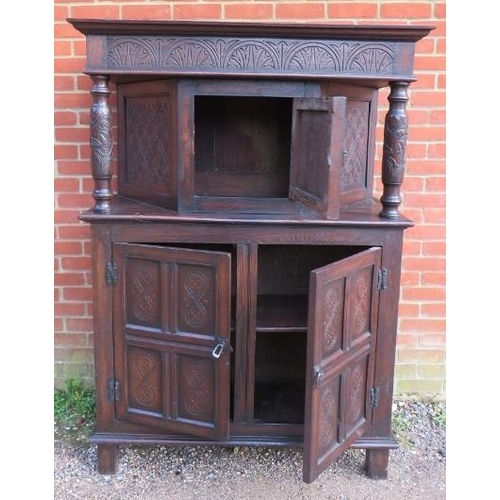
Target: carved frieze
<point>254,56</point>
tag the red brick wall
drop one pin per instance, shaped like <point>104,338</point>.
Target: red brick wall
<point>422,331</point>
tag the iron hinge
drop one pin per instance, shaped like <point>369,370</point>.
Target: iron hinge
<point>318,373</point>
<point>114,390</point>
<point>111,274</point>
<point>382,279</point>
<point>375,394</point>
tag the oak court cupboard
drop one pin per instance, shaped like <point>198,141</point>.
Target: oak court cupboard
<point>246,282</point>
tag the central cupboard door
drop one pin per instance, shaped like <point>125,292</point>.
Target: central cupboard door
<point>171,338</point>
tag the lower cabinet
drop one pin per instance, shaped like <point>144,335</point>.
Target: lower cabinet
<point>243,343</point>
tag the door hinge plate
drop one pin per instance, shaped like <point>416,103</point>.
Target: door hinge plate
<point>375,394</point>
<point>114,390</point>
<point>318,373</point>
<point>382,279</point>
<point>111,274</point>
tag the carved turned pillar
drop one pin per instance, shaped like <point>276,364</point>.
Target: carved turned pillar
<point>101,143</point>
<point>394,154</point>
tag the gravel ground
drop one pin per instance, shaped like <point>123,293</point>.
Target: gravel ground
<point>417,470</point>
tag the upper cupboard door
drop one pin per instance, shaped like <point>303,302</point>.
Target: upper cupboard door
<point>171,338</point>
<point>317,153</point>
<point>343,305</point>
<point>147,130</point>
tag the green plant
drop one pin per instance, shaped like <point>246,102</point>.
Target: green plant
<point>439,416</point>
<point>74,404</point>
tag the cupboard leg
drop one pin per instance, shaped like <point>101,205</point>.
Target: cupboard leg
<point>107,457</point>
<point>376,463</point>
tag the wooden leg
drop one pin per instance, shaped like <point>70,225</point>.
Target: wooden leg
<point>107,457</point>
<point>376,463</point>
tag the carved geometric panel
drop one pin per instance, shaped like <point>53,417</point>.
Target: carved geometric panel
<point>196,299</point>
<point>147,124</point>
<point>196,395</point>
<point>356,393</point>
<point>143,293</point>
<point>144,379</point>
<point>250,56</point>
<point>333,321</point>
<point>353,174</point>
<point>360,305</point>
<point>328,430</point>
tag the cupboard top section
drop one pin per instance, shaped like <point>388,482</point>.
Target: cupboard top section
<point>376,54</point>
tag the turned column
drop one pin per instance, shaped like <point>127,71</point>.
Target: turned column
<point>101,143</point>
<point>394,151</point>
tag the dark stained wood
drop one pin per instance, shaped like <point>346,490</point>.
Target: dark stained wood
<point>101,143</point>
<point>171,312</point>
<point>245,218</point>
<point>147,116</point>
<point>394,155</point>
<point>343,315</point>
<point>317,154</point>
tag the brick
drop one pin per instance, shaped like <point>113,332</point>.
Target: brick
<point>74,200</point>
<point>248,11</point>
<point>421,263</point>
<point>96,11</point>
<point>77,293</point>
<point>65,151</point>
<point>427,134</point>
<point>436,184</point>
<point>403,371</point>
<point>66,184</point>
<point>441,81</point>
<point>76,167</point>
<point>62,48</point>
<point>69,279</point>
<point>406,11</point>
<point>433,247</point>
<point>70,340</point>
<point>154,11</point>
<point>352,10</point>
<point>71,232</point>
<point>73,134</point>
<point>434,371</point>
<point>420,355</point>
<point>437,150</point>
<point>79,324</point>
<point>69,65</point>
<point>68,247</point>
<point>422,387</point>
<point>197,11</point>
<point>439,10</point>
<point>425,199</point>
<point>422,325</point>
<point>434,310</point>
<point>405,340</point>
<point>428,99</point>
<point>72,101</point>
<point>76,263</point>
<point>424,293</point>
<point>437,117</point>
<point>433,340</point>
<point>309,10</point>
<point>65,118</point>
<point>67,216</point>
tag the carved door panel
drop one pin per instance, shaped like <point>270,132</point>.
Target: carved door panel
<point>343,305</point>
<point>317,153</point>
<point>147,138</point>
<point>171,338</point>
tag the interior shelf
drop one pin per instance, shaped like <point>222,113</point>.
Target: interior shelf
<point>282,313</point>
